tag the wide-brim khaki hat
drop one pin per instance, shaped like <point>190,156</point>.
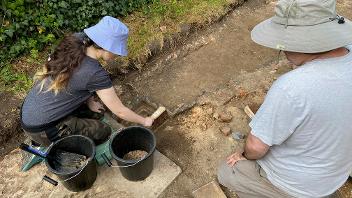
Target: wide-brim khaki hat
<point>306,26</point>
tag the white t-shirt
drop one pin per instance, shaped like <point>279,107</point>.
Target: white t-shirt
<point>306,118</point>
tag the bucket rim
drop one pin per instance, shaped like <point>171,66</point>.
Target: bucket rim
<point>91,158</point>
<point>128,162</point>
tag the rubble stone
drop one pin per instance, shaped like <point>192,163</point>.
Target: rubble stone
<point>225,130</point>
<point>225,116</point>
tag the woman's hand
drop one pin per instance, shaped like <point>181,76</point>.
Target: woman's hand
<point>148,121</point>
<point>234,158</point>
<point>95,105</point>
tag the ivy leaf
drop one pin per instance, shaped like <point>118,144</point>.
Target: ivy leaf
<point>2,38</point>
<point>32,24</point>
<point>9,32</point>
<point>63,4</point>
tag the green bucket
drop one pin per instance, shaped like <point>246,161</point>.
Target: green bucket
<point>100,150</point>
<point>103,149</point>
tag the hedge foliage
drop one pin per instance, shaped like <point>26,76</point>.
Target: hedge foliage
<point>29,25</point>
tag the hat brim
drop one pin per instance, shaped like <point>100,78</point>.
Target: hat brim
<point>305,39</point>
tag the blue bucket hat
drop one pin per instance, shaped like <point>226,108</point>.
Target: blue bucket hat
<point>109,34</point>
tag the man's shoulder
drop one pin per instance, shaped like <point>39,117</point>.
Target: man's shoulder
<point>295,78</point>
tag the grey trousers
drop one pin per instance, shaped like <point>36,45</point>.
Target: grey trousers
<point>249,180</point>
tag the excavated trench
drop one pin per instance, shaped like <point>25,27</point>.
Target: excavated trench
<point>219,70</point>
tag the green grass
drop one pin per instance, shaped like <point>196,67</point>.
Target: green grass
<point>170,14</point>
<point>16,77</point>
<point>13,81</point>
<point>145,26</point>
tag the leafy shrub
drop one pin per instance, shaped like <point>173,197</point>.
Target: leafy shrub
<point>29,25</point>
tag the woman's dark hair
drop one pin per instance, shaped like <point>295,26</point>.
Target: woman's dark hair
<point>67,56</point>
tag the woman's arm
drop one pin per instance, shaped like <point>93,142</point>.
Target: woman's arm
<point>112,101</point>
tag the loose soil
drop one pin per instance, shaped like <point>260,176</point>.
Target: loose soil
<point>135,155</point>
<point>219,73</point>
<point>66,162</point>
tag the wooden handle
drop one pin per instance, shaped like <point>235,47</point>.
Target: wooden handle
<point>158,112</point>
<point>249,112</point>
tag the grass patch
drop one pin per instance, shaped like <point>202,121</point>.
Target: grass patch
<point>12,81</point>
<point>164,17</point>
<point>17,76</point>
<point>154,21</point>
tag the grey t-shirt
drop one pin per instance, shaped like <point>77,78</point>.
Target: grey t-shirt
<point>306,119</point>
<point>41,108</point>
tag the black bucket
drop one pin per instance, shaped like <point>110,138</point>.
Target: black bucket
<point>131,139</point>
<point>80,179</point>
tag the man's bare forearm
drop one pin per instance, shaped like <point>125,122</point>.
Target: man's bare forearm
<point>254,148</point>
<point>252,154</point>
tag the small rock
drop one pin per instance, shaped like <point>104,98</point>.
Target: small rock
<point>163,28</point>
<point>99,189</point>
<point>225,117</point>
<point>209,111</point>
<point>204,127</point>
<point>216,115</point>
<point>241,93</point>
<point>225,130</point>
<point>234,111</point>
<point>169,128</point>
<point>238,136</point>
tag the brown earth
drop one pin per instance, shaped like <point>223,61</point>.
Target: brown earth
<point>221,71</point>
<point>10,128</point>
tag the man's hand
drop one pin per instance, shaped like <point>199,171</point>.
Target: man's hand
<point>95,106</point>
<point>235,157</point>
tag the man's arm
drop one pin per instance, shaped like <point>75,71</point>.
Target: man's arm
<point>254,148</point>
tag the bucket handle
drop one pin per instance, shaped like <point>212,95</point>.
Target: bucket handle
<point>50,180</point>
<point>106,159</point>
<point>108,162</point>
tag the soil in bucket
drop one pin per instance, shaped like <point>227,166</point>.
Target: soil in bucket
<point>135,155</point>
<point>133,150</point>
<point>81,176</point>
<point>68,162</point>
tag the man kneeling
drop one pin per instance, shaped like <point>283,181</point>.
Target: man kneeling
<point>300,143</point>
